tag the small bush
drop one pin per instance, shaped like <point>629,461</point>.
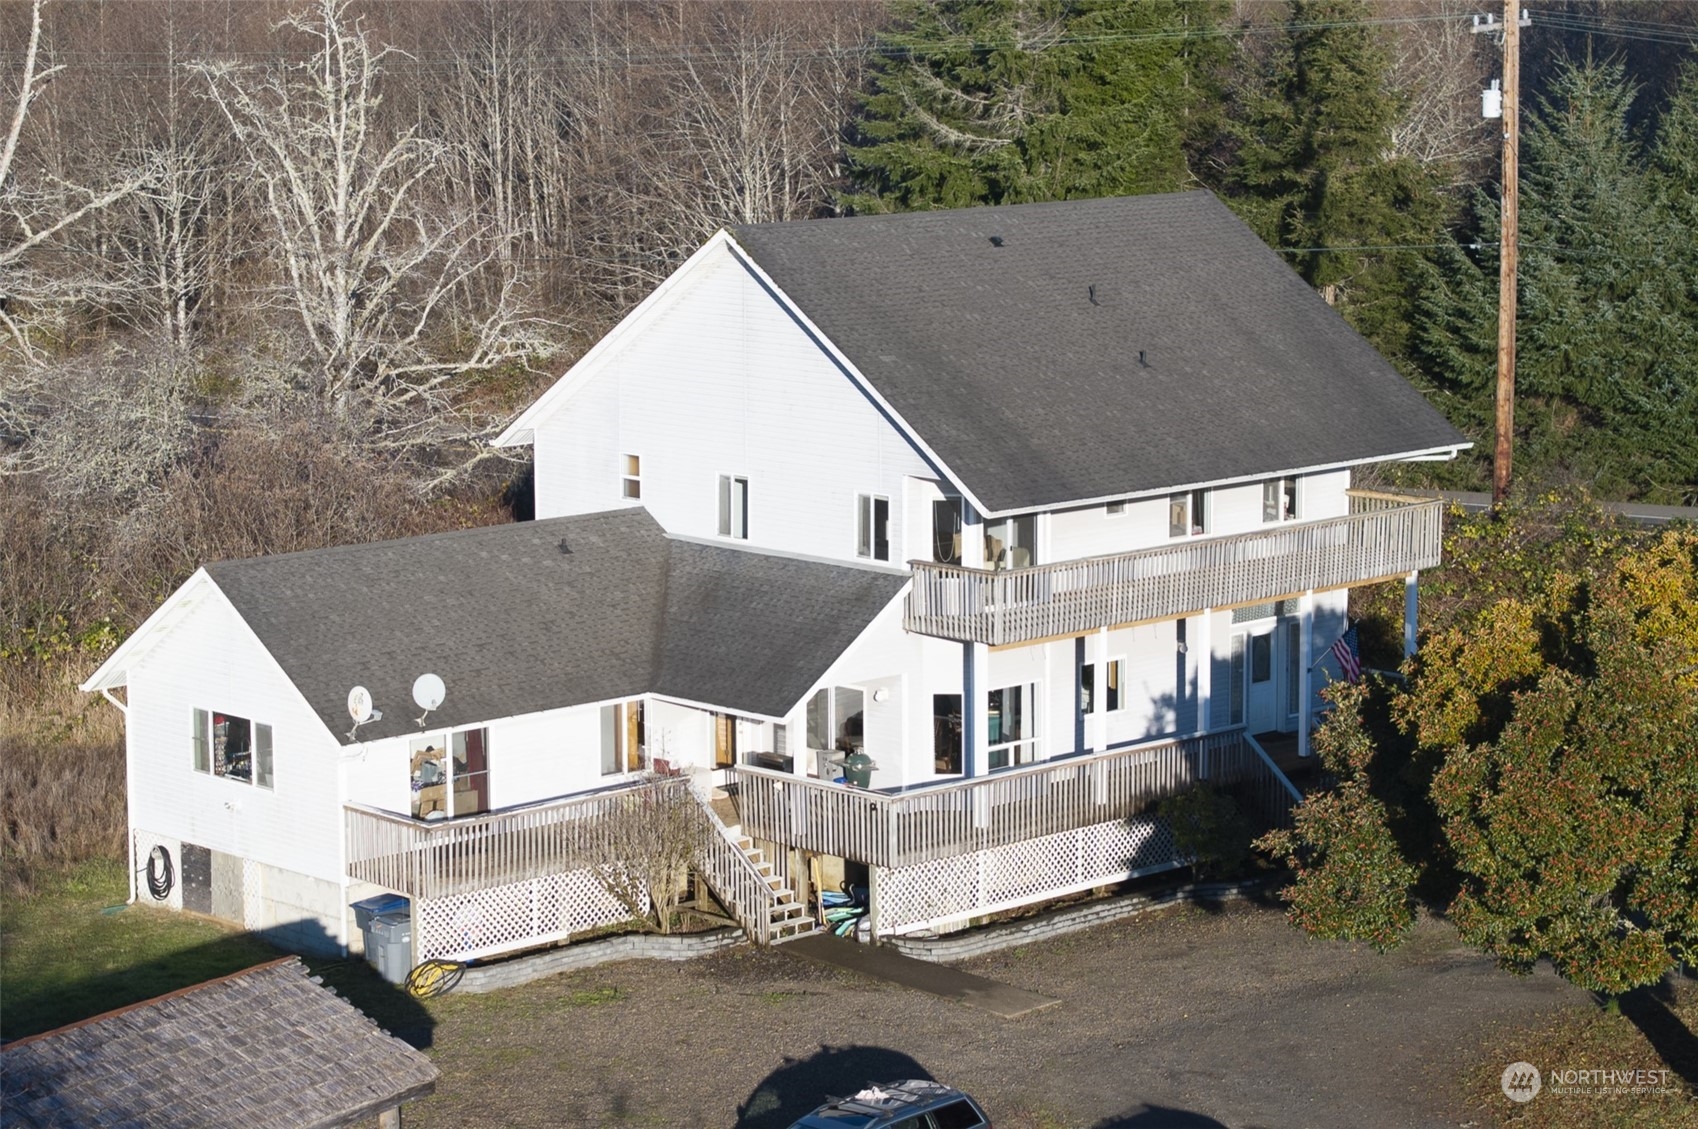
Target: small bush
<point>1209,830</point>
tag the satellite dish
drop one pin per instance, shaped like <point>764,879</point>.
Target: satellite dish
<point>359,705</point>
<point>428,691</point>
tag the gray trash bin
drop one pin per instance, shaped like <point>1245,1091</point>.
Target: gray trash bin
<point>390,937</point>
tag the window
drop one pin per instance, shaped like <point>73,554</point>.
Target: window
<point>872,527</point>
<point>836,719</point>
<point>1188,514</point>
<point>946,531</point>
<point>232,747</point>
<point>631,483</point>
<point>612,741</point>
<point>1261,657</point>
<point>1114,508</point>
<point>946,733</point>
<point>1011,542</point>
<point>621,738</point>
<point>1009,730</point>
<point>1111,696</point>
<point>1235,714</point>
<point>734,507</point>
<point>1293,673</point>
<point>957,1115</point>
<point>1279,499</point>
<point>450,773</point>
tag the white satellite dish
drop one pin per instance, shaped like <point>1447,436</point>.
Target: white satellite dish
<point>428,692</point>
<point>359,705</point>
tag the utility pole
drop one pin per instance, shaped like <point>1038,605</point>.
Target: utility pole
<point>1508,249</point>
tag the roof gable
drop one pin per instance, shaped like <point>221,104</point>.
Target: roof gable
<point>1073,351</point>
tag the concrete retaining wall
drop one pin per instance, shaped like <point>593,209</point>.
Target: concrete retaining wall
<point>586,954</point>
<point>992,938</point>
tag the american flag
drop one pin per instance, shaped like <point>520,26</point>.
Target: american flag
<point>1348,654</point>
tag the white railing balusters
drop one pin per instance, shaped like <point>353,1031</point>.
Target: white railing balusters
<point>1384,535</point>
<point>937,821</point>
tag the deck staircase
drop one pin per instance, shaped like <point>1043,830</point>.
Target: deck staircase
<point>746,882</point>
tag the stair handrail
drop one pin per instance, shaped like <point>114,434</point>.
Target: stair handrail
<point>732,875</point>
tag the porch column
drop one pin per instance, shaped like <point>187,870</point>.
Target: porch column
<point>1202,647</point>
<point>974,744</point>
<point>1305,668</point>
<point>1410,601</point>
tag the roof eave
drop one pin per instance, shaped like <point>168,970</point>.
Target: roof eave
<point>1430,454</point>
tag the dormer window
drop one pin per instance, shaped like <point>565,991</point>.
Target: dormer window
<point>1279,499</point>
<point>631,482</point>
<point>1188,514</point>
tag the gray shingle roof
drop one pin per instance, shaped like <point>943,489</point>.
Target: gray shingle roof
<point>545,614</point>
<point>263,1047</point>
<point>1019,364</point>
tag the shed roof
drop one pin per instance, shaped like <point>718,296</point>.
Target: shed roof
<point>540,615</point>
<point>1009,338</point>
<point>267,1046</point>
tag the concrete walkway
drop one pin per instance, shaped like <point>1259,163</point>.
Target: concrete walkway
<point>883,963</point>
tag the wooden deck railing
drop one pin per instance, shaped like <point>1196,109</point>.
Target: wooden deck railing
<point>436,859</point>
<point>938,821</point>
<point>732,876</point>
<point>1384,535</point>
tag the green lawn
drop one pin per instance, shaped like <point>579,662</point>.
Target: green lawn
<point>64,957</point>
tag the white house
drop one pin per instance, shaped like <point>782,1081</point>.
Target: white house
<point>1046,509</point>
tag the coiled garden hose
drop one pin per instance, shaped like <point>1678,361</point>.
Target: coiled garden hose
<point>434,978</point>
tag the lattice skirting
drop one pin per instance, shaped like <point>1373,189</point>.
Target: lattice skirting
<point>943,894</point>
<point>515,916</point>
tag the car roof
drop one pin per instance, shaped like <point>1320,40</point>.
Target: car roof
<point>876,1103</point>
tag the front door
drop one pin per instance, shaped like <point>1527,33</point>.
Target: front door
<point>1263,710</point>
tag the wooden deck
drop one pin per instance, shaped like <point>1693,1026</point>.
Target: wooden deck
<point>1385,535</point>
<point>942,820</point>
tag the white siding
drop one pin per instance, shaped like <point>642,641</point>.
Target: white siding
<point>1091,531</point>
<point>210,660</point>
<point>722,382</point>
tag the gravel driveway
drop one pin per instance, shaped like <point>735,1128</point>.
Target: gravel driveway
<point>1189,1017</point>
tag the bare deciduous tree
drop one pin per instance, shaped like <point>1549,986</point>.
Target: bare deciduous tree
<point>396,300</point>
<point>40,212</point>
<point>645,847</point>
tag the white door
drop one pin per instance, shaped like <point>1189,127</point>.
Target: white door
<point>1263,710</point>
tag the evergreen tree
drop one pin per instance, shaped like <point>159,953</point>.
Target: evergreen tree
<point>1607,341</point>
<point>1314,167</point>
<point>1012,101</point>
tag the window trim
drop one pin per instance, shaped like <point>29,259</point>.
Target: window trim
<point>1030,712</point>
<point>449,791</point>
<point>262,749</point>
<point>1115,687</point>
<point>866,527</point>
<point>732,508</point>
<point>1195,525</point>
<point>1274,494</point>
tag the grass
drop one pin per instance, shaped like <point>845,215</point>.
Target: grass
<point>62,959</point>
<point>1598,1040</point>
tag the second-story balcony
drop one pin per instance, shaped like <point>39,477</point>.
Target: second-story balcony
<point>1383,536</point>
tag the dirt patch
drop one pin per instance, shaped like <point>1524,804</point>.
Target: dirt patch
<point>1226,1016</point>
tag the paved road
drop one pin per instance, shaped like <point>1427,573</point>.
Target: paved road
<point>1189,1018</point>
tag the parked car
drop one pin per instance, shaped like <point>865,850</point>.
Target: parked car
<point>912,1104</point>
